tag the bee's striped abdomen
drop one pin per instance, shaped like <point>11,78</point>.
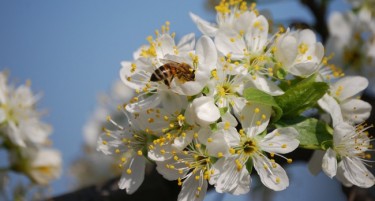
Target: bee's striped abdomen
<point>159,74</point>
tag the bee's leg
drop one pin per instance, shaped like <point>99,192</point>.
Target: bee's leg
<point>166,82</point>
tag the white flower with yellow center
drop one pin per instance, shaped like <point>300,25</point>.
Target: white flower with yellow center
<point>344,92</point>
<point>298,52</point>
<point>249,146</point>
<point>347,158</point>
<point>130,145</point>
<point>192,168</point>
<point>40,165</point>
<point>19,118</point>
<point>227,88</point>
<point>351,42</point>
<point>173,130</point>
<point>249,52</point>
<point>183,74</point>
<point>230,15</point>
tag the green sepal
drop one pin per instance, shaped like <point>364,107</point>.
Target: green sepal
<point>249,165</point>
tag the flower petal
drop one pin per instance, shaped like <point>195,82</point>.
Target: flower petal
<point>282,140</point>
<point>330,105</point>
<point>348,87</point>
<point>190,192</point>
<point>206,52</point>
<point>329,163</point>
<point>131,182</point>
<point>254,118</point>
<point>186,43</point>
<point>356,111</point>
<point>357,173</point>
<point>257,33</point>
<point>266,85</point>
<point>228,43</point>
<point>315,162</point>
<point>204,26</point>
<point>271,174</point>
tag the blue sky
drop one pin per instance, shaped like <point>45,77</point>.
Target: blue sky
<point>71,50</point>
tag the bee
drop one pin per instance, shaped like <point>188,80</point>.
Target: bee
<point>167,72</point>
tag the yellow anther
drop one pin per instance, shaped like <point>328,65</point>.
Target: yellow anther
<point>104,142</point>
<point>123,159</point>
<point>258,123</point>
<point>209,139</point>
<point>197,177</point>
<point>117,151</point>
<point>232,151</point>
<point>220,154</point>
<point>289,160</point>
<point>171,125</point>
<point>195,135</point>
<point>283,146</point>
<point>226,125</point>
<point>139,152</point>
<point>302,48</point>
<point>162,151</point>
<point>272,154</point>
<point>257,110</point>
<point>179,182</point>
<point>128,171</point>
<point>150,120</point>
<point>198,146</point>
<point>277,179</point>
<point>181,117</point>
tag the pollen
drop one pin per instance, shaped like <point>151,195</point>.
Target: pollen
<point>209,139</point>
<point>128,171</point>
<point>283,146</point>
<point>181,117</point>
<point>289,160</point>
<point>226,125</point>
<point>220,154</point>
<point>150,120</point>
<point>117,151</point>
<point>257,110</point>
<point>277,180</point>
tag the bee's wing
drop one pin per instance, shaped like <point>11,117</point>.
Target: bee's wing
<point>165,61</point>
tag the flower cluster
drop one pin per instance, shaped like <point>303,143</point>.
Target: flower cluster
<point>212,110</point>
<point>352,40</point>
<point>24,136</point>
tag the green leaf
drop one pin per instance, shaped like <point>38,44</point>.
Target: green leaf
<point>301,96</point>
<point>281,73</point>
<point>213,126</point>
<point>223,110</point>
<point>205,90</point>
<point>256,96</point>
<point>313,134</point>
<point>249,165</point>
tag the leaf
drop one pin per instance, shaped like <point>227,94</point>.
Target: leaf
<point>223,110</point>
<point>249,165</point>
<point>313,134</point>
<point>256,96</point>
<point>301,96</point>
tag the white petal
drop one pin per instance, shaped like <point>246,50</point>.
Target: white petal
<point>329,163</point>
<point>144,104</point>
<point>340,175</point>
<point>266,85</point>
<point>257,33</point>
<point>14,134</point>
<point>189,190</point>
<point>315,162</point>
<point>271,174</point>
<point>232,136</point>
<point>166,45</point>
<point>181,142</point>
<point>282,140</point>
<point>339,25</point>
<point>168,173</point>
<point>217,143</point>
<point>135,78</point>
<point>186,43</point>
<point>244,21</point>
<point>206,52</point>
<point>286,50</point>
<point>304,69</point>
<point>330,105</point>
<point>357,173</point>
<point>356,111</point>
<point>131,182</point>
<point>205,110</point>
<point>2,115</point>
<point>204,26</point>
<point>156,154</point>
<point>348,87</point>
<point>227,42</point>
<point>229,119</point>
<point>231,180</point>
<point>254,118</point>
